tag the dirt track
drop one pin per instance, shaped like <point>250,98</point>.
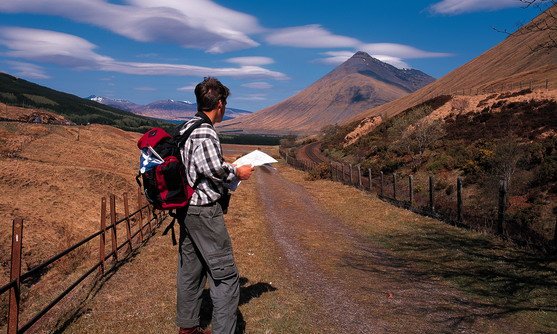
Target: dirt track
<point>356,285</point>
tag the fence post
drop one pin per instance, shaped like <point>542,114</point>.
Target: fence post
<point>502,206</point>
<point>113,223</point>
<point>149,217</point>
<point>102,237</point>
<point>459,200</point>
<point>139,206</point>
<point>369,176</point>
<point>359,177</point>
<point>15,273</point>
<point>411,189</point>
<point>351,182</point>
<point>128,223</point>
<point>394,186</point>
<point>382,183</point>
<point>431,206</point>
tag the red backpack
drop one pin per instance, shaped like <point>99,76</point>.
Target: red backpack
<point>162,171</point>
<point>164,176</point>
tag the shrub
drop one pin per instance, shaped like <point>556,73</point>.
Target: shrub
<point>319,172</point>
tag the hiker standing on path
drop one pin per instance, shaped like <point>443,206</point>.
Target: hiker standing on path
<point>205,248</point>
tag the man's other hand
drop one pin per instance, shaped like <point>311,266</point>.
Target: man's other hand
<point>244,172</point>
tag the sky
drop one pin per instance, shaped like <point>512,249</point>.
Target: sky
<point>264,51</point>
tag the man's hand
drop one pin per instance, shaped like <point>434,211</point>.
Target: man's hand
<point>244,172</point>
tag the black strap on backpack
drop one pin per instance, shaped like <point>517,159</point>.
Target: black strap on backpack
<point>180,140</point>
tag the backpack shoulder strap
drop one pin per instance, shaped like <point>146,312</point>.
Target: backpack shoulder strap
<point>181,138</point>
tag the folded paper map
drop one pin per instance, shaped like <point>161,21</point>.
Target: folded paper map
<point>254,158</point>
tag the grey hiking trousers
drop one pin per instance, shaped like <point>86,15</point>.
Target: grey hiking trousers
<point>205,251</point>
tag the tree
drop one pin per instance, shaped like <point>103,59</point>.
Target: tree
<point>546,23</point>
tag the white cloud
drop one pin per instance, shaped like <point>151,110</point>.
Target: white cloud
<point>188,88</point>
<point>72,51</point>
<point>251,60</point>
<point>396,62</point>
<point>199,24</point>
<point>335,57</point>
<point>454,7</point>
<point>27,70</point>
<point>309,36</point>
<point>399,51</point>
<point>389,53</point>
<point>258,85</point>
<point>252,97</point>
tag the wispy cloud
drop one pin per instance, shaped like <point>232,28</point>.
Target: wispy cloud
<point>309,36</point>
<point>200,24</point>
<point>258,85</point>
<point>69,50</point>
<point>188,88</point>
<point>27,70</point>
<point>390,53</point>
<point>454,7</point>
<point>252,97</point>
<point>399,51</point>
<point>256,61</point>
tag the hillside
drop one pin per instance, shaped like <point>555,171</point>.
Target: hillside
<point>483,139</point>
<point>358,84</point>
<point>513,64</point>
<point>18,92</point>
<point>55,177</point>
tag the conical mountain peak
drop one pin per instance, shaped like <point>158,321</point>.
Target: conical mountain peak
<point>359,83</point>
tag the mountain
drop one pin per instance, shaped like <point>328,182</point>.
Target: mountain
<point>21,93</point>
<point>116,103</point>
<point>164,109</point>
<point>360,83</point>
<point>515,63</point>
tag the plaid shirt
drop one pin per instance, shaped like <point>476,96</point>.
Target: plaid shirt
<point>202,156</point>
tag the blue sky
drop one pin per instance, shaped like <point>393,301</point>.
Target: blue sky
<point>265,51</point>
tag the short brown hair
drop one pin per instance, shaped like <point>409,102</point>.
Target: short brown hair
<point>209,92</point>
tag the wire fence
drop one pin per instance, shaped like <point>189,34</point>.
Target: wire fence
<point>430,200</point>
<point>110,255</point>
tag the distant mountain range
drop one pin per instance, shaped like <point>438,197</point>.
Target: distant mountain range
<point>163,109</point>
<point>360,83</point>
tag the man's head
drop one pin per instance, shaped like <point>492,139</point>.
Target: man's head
<point>211,97</point>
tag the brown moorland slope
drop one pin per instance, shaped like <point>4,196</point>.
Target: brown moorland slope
<point>514,61</point>
<point>53,177</point>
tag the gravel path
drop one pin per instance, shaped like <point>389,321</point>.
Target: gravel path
<point>357,286</point>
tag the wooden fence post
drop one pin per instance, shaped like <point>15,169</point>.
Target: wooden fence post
<point>369,176</point>
<point>102,237</point>
<point>459,200</point>
<point>15,273</point>
<point>113,223</point>
<point>431,206</point>
<point>359,177</point>
<point>139,206</point>
<point>411,190</point>
<point>382,183</point>
<point>394,186</point>
<point>351,182</point>
<point>128,223</point>
<point>502,206</point>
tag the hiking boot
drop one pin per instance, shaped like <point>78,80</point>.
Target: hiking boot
<point>194,330</point>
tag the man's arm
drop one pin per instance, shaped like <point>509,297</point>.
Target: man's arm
<point>210,164</point>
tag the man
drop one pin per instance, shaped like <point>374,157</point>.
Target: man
<point>205,249</point>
